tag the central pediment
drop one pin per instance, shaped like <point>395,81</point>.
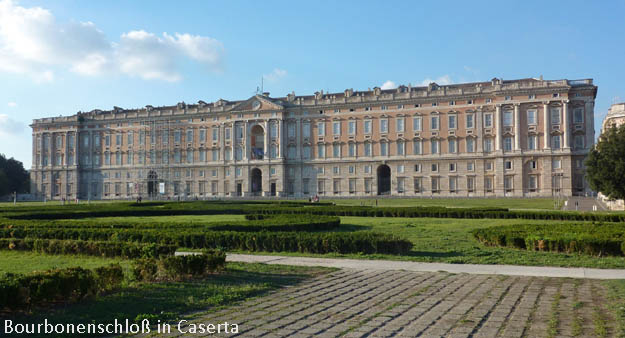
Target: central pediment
<point>256,103</point>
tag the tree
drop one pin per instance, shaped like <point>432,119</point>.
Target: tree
<point>606,164</point>
<point>13,176</point>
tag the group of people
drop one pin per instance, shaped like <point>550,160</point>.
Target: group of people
<point>313,199</point>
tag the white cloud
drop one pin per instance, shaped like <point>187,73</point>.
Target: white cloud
<point>9,126</point>
<point>12,104</point>
<point>275,75</point>
<point>443,80</point>
<point>33,43</point>
<point>389,85</point>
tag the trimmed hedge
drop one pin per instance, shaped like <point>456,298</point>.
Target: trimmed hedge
<point>310,242</point>
<point>179,267</point>
<point>90,248</point>
<point>22,292</point>
<point>591,239</point>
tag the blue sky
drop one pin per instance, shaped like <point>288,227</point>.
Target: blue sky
<point>59,57</point>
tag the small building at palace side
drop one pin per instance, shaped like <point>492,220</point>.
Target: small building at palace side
<point>521,138</point>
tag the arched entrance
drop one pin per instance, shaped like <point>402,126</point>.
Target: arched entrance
<point>384,180</point>
<point>257,182</point>
<point>152,183</point>
<point>257,143</point>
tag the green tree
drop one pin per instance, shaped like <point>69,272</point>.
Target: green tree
<point>606,163</point>
<point>13,176</point>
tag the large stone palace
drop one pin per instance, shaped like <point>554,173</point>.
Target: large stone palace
<point>520,138</point>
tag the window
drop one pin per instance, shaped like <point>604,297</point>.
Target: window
<point>321,128</point>
<point>352,185</point>
<point>336,128</point>
<point>290,130</point>
<point>352,149</point>
<point>470,144</point>
<point>452,167</point>
<point>85,140</point>
<point>532,184</point>
<point>321,150</point>
<point>215,132</point>
<point>508,98</point>
<point>383,126</point>
<point>531,117</point>
<point>579,163</point>
<point>556,163</point>
<point>238,153</point>
<point>215,155</point>
<point>470,184</point>
<point>532,165</point>
<point>556,94</point>
<point>400,124</point>
<point>306,130</point>
<point>352,169</point>
<point>555,141</point>
<point>488,145</point>
<point>435,185</point>
<point>531,96</point>
<point>417,148</point>
<point>336,150</point>
<point>452,103</point>
<point>228,154</point>
<point>367,169</point>
<point>469,101</point>
<point>434,122</point>
<point>452,121</point>
<point>351,127</point>
<point>306,152</point>
<point>321,186</point>
<point>400,168</point>
<point>336,170</point>
<point>488,166</point>
<point>507,165</point>
<point>189,137</point>
<point>142,137</point>
<point>238,132</point>
<point>336,186</point>
<point>417,168</point>
<point>203,135</point>
<point>165,137</point>
<point>401,185</point>
<point>434,167</point>
<point>470,123</point>
<point>418,184</point>
<point>368,149</point>
<point>118,140</point>
<point>383,107</point>
<point>189,156</point>
<point>488,184</point>
<point>273,151</point>
<point>578,115</point>
<point>488,120</point>
<point>272,171</point>
<point>434,146</point>
<point>453,184</point>
<point>434,104</point>
<point>177,156</point>
<point>470,166</point>
<point>555,115</point>
<point>416,123</point>
<point>227,132</point>
<point>452,145</point>
<point>532,141</point>
<point>383,149</point>
<point>401,148</point>
<point>177,136</point>
<point>507,143</point>
<point>508,183</point>
<point>507,119</point>
<point>367,126</point>
<point>579,142</point>
<point>291,152</point>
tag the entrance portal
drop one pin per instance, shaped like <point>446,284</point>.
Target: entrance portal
<point>384,180</point>
<point>152,183</point>
<point>258,143</point>
<point>257,182</point>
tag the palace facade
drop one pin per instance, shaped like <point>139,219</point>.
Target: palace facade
<point>521,138</point>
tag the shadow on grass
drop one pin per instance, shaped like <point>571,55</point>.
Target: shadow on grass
<point>170,301</point>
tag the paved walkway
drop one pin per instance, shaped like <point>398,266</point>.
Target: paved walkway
<point>580,203</point>
<point>480,269</point>
<point>362,303</point>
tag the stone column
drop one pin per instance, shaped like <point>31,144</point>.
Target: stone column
<point>266,125</point>
<point>281,138</point>
<point>246,141</point>
<point>565,123</point>
<point>546,125</point>
<point>498,128</point>
<point>517,127</point>
<point>589,122</point>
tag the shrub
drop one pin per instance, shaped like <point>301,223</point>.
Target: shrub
<point>90,248</point>
<point>179,267</point>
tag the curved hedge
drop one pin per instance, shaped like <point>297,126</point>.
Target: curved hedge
<point>90,248</point>
<point>591,239</point>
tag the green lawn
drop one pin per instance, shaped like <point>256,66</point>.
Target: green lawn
<point>510,203</point>
<point>174,301</point>
<point>25,261</point>
<point>186,219</point>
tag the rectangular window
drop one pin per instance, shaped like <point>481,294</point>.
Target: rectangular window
<point>470,166</point>
<point>434,167</point>
<point>383,126</point>
<point>488,120</point>
<point>488,184</point>
<point>368,149</point>
<point>416,123</point>
<point>306,151</point>
<point>488,166</point>
<point>352,149</point>
<point>238,132</point>
<point>578,115</point>
<point>488,145</point>
<point>555,141</point>
<point>418,184</point>
<point>367,169</point>
<point>401,148</point>
<point>434,146</point>
<point>215,132</point>
<point>336,150</point>
<point>531,117</point>
<point>507,119</point>
<point>351,127</point>
<point>367,126</point>
<point>435,185</point>
<point>532,183</point>
<point>227,132</point>
<point>401,185</point>
<point>417,147</point>
<point>452,145</point>
<point>470,184</point>
<point>557,164</point>
<point>306,130</point>
<point>336,170</point>
<point>336,128</point>
<point>470,144</point>
<point>507,165</point>
<point>451,121</point>
<point>555,115</point>
<point>383,149</point>
<point>453,184</point>
<point>321,150</point>
<point>507,144</point>
<point>531,142</point>
<point>470,123</point>
<point>417,168</point>
<point>434,122</point>
<point>352,185</point>
<point>165,137</point>
<point>579,141</point>
<point>400,124</point>
<point>452,167</point>
<point>508,183</point>
<point>177,136</point>
<point>202,135</point>
<point>118,140</point>
<point>321,128</point>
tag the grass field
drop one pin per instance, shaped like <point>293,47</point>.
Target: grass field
<point>24,262</point>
